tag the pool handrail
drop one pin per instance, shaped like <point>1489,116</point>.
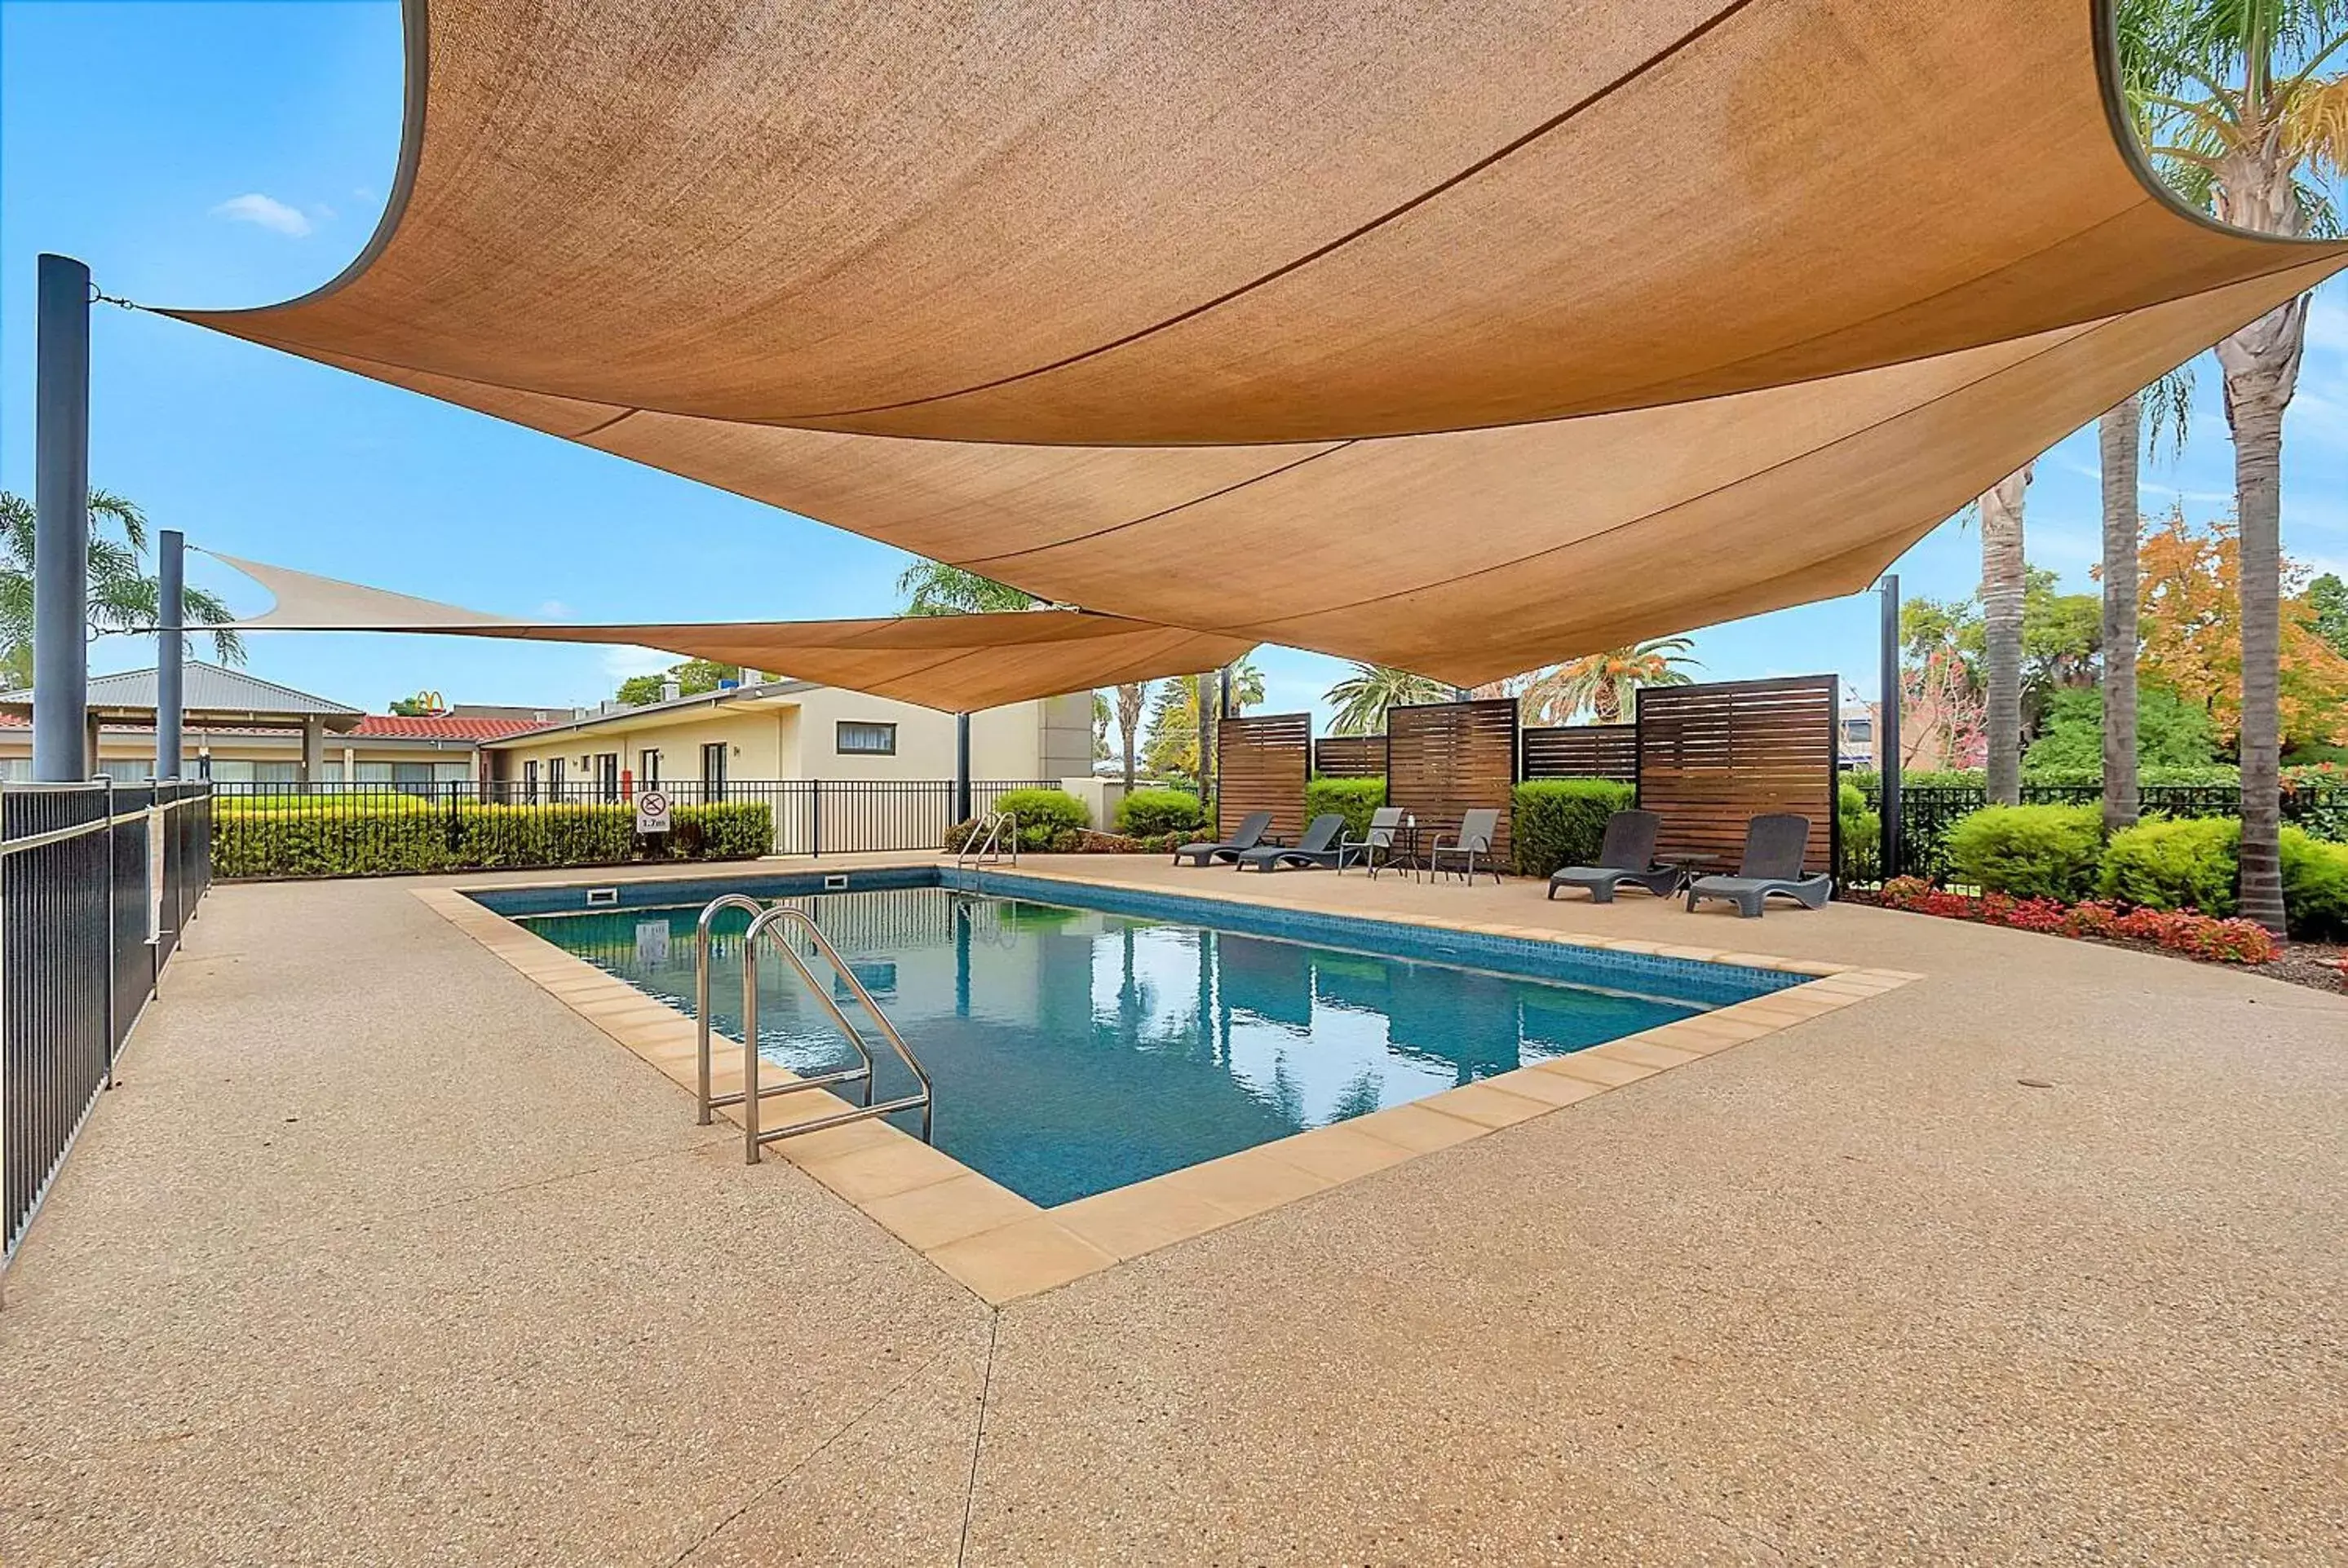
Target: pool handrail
<point>985,845</point>
<point>753,1137</point>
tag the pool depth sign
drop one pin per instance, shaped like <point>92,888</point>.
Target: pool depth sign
<point>652,810</point>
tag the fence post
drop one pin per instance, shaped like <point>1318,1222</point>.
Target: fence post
<point>112,959</point>
<point>61,521</point>
<point>962,768</point>
<point>814,817</point>
<point>1886,733</point>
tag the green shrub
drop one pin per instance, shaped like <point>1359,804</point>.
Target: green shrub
<point>2028,851</point>
<point>408,836</point>
<point>2187,862</point>
<point>1044,814</point>
<point>1352,799</point>
<point>2315,887</point>
<point>1862,836</point>
<point>1146,813</point>
<point>1562,822</point>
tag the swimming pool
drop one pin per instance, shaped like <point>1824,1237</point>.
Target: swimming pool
<point>1084,1038</point>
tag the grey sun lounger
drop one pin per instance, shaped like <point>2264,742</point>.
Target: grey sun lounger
<point>1773,864</point>
<point>1627,855</point>
<point>1251,829</point>
<point>1385,823</point>
<point>1477,828</point>
<point>1318,847</point>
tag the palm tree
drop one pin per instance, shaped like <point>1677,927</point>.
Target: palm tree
<point>2003,583</point>
<point>934,588</point>
<point>1362,698</point>
<point>1606,682</point>
<point>1131,699</point>
<point>2117,438</point>
<point>122,597</point>
<point>2236,112</point>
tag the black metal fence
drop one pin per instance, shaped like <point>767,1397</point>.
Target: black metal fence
<point>97,881</point>
<point>272,830</point>
<point>1927,814</point>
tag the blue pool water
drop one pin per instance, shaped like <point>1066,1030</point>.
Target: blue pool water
<point>1075,1049</point>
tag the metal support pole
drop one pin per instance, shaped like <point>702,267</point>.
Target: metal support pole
<point>61,519</point>
<point>962,768</point>
<point>1886,729</point>
<point>170,642</point>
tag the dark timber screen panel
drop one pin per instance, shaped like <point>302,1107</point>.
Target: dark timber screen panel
<point>1262,764</point>
<point>1711,758</point>
<point>1583,751</point>
<point>1349,756</point>
<point>1444,759</point>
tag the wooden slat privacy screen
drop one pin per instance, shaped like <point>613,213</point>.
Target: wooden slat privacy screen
<point>1583,751</point>
<point>1262,764</point>
<point>1349,756</point>
<point>1446,758</point>
<point>1711,758</point>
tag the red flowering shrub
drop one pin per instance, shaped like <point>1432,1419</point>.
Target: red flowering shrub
<point>2179,930</point>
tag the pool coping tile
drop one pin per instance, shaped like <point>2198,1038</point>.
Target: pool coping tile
<point>1002,1247</point>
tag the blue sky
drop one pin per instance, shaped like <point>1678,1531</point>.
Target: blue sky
<point>203,154</point>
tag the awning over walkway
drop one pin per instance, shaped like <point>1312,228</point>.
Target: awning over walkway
<point>956,662</point>
<point>1465,338</point>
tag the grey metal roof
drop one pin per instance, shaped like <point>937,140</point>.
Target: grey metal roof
<point>204,689</point>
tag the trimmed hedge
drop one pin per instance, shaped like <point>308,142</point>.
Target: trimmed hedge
<point>1151,813</point>
<point>1045,815</point>
<point>1861,832</point>
<point>2315,887</point>
<point>2183,863</point>
<point>1352,799</point>
<point>2029,851</point>
<point>1562,822</point>
<point>406,837</point>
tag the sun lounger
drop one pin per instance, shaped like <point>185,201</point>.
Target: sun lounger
<point>1627,855</point>
<point>1251,830</point>
<point>1318,847</point>
<point>1773,864</point>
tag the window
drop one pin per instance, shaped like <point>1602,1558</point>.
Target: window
<point>135,771</point>
<point>452,773</point>
<point>648,769</point>
<point>226,770</point>
<point>530,781</point>
<point>712,770</point>
<point>554,779</point>
<point>855,738</point>
<point>607,774</point>
<point>277,773</point>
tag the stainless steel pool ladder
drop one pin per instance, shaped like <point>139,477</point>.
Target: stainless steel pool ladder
<point>997,830</point>
<point>763,920</point>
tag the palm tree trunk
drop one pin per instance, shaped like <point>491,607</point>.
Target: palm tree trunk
<point>2120,443</point>
<point>1129,702</point>
<point>2262,368</point>
<point>2001,592</point>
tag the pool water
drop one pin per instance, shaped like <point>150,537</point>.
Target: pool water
<point>1076,1050</point>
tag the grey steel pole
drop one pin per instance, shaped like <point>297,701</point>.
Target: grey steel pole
<point>1886,729</point>
<point>169,642</point>
<point>962,768</point>
<point>61,520</point>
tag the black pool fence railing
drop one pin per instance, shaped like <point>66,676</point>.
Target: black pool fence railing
<point>381,828</point>
<point>97,882</point>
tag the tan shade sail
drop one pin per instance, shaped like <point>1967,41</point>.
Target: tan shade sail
<point>1463,337</point>
<point>956,662</point>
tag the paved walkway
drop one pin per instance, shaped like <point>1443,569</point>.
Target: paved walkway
<point>381,1255</point>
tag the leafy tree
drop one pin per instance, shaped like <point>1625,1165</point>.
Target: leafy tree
<point>934,588</point>
<point>2170,732</point>
<point>122,597</point>
<point>415,707</point>
<point>2061,636</point>
<point>2327,603</point>
<point>2236,117</point>
<point>1603,683</point>
<point>1101,728</point>
<point>1172,747</point>
<point>692,678</point>
<point>2193,636</point>
<point>1362,698</point>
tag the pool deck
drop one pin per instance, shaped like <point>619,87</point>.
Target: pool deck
<point>382,1252</point>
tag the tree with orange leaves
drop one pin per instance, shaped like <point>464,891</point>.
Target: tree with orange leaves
<point>2190,607</point>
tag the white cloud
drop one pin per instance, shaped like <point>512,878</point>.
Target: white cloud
<point>553,610</point>
<point>620,663</point>
<point>267,212</point>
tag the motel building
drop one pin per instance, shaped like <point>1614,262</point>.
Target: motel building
<point>783,732</point>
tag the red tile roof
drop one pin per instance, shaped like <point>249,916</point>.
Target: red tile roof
<point>438,727</point>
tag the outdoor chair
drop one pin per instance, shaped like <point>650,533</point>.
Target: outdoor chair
<point>1627,855</point>
<point>1773,864</point>
<point>1477,828</point>
<point>1318,847</point>
<point>1385,823</point>
<point>1252,829</point>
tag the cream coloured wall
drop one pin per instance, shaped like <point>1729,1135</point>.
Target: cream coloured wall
<point>751,735</point>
